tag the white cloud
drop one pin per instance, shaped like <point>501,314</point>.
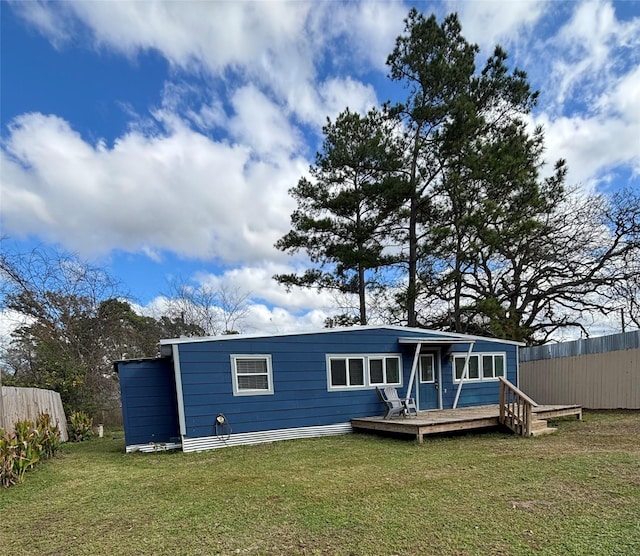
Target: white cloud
<point>368,31</point>
<point>339,94</point>
<point>261,124</point>
<point>278,320</point>
<point>592,146</point>
<point>260,317</point>
<point>276,45</point>
<point>492,22</point>
<point>593,121</point>
<point>179,191</point>
<point>588,51</point>
<point>258,282</point>
<point>10,320</point>
<point>56,26</point>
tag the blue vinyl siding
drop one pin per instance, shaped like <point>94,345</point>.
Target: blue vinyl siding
<point>483,392</point>
<point>149,404</point>
<point>300,397</point>
<point>300,394</point>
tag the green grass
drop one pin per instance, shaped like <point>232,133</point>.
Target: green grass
<point>575,492</point>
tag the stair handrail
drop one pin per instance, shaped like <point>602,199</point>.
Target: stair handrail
<point>516,408</point>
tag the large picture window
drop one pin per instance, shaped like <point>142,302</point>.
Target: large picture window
<point>482,366</point>
<point>363,371</point>
<point>252,375</point>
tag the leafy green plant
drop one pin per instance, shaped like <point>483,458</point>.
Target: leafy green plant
<point>23,449</point>
<point>8,446</point>
<point>28,448</point>
<point>81,427</point>
<point>19,452</point>
<point>49,435</point>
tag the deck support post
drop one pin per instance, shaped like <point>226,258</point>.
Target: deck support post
<point>412,378</point>
<point>465,374</point>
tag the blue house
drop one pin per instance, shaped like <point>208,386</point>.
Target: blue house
<point>204,393</point>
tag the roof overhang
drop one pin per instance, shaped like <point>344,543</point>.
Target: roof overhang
<point>447,338</point>
<point>434,341</point>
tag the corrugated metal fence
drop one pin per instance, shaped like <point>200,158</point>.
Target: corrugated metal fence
<point>596,373</point>
<point>19,404</point>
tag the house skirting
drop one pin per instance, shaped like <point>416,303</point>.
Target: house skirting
<point>212,442</point>
<point>153,447</point>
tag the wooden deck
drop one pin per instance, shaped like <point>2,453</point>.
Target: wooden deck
<point>450,420</point>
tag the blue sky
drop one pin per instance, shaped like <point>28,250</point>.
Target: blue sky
<point>159,139</point>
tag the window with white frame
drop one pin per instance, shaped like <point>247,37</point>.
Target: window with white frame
<point>384,370</point>
<point>482,366</point>
<point>252,375</point>
<point>493,365</point>
<point>345,372</point>
<point>363,371</point>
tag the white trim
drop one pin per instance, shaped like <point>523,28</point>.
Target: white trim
<point>439,364</point>
<point>431,341</point>
<point>153,447</point>
<point>237,391</point>
<point>481,377</point>
<point>445,337</point>
<point>414,366</point>
<point>367,384</point>
<point>347,358</point>
<point>259,437</point>
<point>178,375</point>
<point>384,358</point>
<point>465,373</point>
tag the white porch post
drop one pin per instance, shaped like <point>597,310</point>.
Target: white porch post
<point>465,374</point>
<point>413,370</point>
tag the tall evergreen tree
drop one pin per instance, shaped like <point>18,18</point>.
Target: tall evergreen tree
<point>347,207</point>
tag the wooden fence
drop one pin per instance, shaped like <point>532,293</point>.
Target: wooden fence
<point>19,404</point>
<point>598,373</point>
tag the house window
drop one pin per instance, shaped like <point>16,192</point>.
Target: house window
<point>384,370</point>
<point>427,368</point>
<point>363,371</point>
<point>252,375</point>
<point>347,371</point>
<point>485,366</point>
<point>492,365</point>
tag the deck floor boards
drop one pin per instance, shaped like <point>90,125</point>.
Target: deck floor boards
<point>449,420</point>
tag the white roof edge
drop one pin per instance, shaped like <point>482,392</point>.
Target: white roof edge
<point>435,341</point>
<point>446,335</point>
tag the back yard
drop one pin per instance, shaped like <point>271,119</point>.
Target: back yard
<point>575,492</point>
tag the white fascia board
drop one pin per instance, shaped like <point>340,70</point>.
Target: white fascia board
<point>444,335</point>
<point>433,341</point>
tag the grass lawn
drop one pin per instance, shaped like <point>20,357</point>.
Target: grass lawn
<point>575,492</point>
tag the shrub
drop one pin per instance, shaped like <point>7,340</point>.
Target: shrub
<point>8,448</point>
<point>80,427</point>
<point>28,448</point>
<point>30,443</point>
<point>49,435</point>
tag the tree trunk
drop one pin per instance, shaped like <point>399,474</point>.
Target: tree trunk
<point>361,295</point>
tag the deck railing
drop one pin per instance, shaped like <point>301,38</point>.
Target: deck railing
<point>516,408</point>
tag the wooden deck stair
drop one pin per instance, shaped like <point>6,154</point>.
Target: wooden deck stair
<point>540,427</point>
<point>517,412</point>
